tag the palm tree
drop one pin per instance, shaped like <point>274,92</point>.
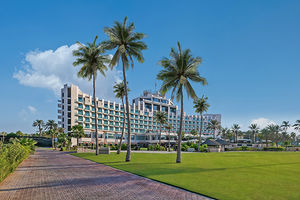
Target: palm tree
<point>285,125</point>
<point>274,133</point>
<point>40,124</point>
<point>297,125</point>
<point>201,106</point>
<point>178,71</point>
<point>128,45</point>
<point>52,129</point>
<point>161,119</point>
<point>77,132</point>
<point>235,129</point>
<point>225,133</point>
<point>293,136</point>
<point>119,90</point>
<point>169,128</point>
<point>91,58</point>
<point>50,124</point>
<point>254,130</point>
<point>214,125</point>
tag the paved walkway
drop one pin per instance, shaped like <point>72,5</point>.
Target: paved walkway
<point>56,175</point>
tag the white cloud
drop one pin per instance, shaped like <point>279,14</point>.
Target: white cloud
<point>51,69</point>
<point>262,122</point>
<point>32,109</point>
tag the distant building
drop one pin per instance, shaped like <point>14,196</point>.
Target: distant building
<point>76,107</point>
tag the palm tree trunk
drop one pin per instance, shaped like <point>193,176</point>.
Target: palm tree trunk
<point>77,142</point>
<point>40,130</point>
<point>199,142</point>
<point>178,159</point>
<point>123,128</point>
<point>96,117</point>
<point>169,141</point>
<point>159,137</point>
<point>128,155</point>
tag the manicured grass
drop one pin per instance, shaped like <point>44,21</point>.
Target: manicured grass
<point>229,175</point>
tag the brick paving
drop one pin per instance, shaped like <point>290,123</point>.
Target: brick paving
<point>56,175</point>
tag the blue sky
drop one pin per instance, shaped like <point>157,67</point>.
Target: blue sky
<point>250,52</point>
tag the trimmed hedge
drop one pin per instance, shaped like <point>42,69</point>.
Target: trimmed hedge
<point>11,155</point>
<point>273,149</point>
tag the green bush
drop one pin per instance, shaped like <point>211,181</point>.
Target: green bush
<point>245,148</point>
<point>124,146</point>
<point>273,149</point>
<point>11,155</point>
<point>143,149</point>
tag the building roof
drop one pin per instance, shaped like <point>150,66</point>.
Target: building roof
<point>211,142</point>
<point>222,142</point>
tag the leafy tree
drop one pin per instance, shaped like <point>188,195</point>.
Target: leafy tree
<point>235,129</point>
<point>225,133</point>
<point>39,124</point>
<point>119,90</point>
<point>214,125</point>
<point>293,136</point>
<point>91,58</point>
<point>3,133</point>
<point>254,130</point>
<point>285,125</point>
<point>77,132</point>
<point>178,71</point>
<point>201,106</point>
<point>19,133</point>
<point>275,133</point>
<point>128,45</point>
<point>169,128</point>
<point>161,119</point>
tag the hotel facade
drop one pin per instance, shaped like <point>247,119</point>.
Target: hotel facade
<point>76,107</point>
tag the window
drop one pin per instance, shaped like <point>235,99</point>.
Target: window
<point>100,115</point>
<point>80,105</point>
<point>87,113</point>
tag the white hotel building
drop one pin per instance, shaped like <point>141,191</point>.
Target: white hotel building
<point>76,107</point>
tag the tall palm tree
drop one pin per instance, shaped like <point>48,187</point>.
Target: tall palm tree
<point>254,130</point>
<point>119,90</point>
<point>225,133</point>
<point>169,128</point>
<point>178,71</point>
<point>128,45</point>
<point>297,125</point>
<point>201,106</point>
<point>40,124</point>
<point>285,125</point>
<point>51,128</point>
<point>77,132</point>
<point>235,129</point>
<point>50,124</point>
<point>91,58</point>
<point>161,119</point>
<point>274,133</point>
<point>214,125</point>
<point>293,136</point>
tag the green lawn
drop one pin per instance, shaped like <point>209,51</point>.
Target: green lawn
<point>229,175</point>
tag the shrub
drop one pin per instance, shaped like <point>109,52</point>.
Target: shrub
<point>245,148</point>
<point>124,146</point>
<point>143,149</point>
<point>273,149</point>
<point>11,155</point>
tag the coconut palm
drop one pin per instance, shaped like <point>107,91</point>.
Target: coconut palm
<point>225,133</point>
<point>50,124</point>
<point>91,58</point>
<point>52,129</point>
<point>161,118</point>
<point>285,125</point>
<point>274,133</point>
<point>178,71</point>
<point>201,106</point>
<point>3,135</point>
<point>297,125</point>
<point>40,125</point>
<point>128,45</point>
<point>235,129</point>
<point>119,90</point>
<point>77,132</point>
<point>169,128</point>
<point>254,130</point>
<point>293,136</point>
<point>214,125</point>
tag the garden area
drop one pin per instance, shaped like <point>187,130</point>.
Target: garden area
<point>228,175</point>
<point>13,153</point>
